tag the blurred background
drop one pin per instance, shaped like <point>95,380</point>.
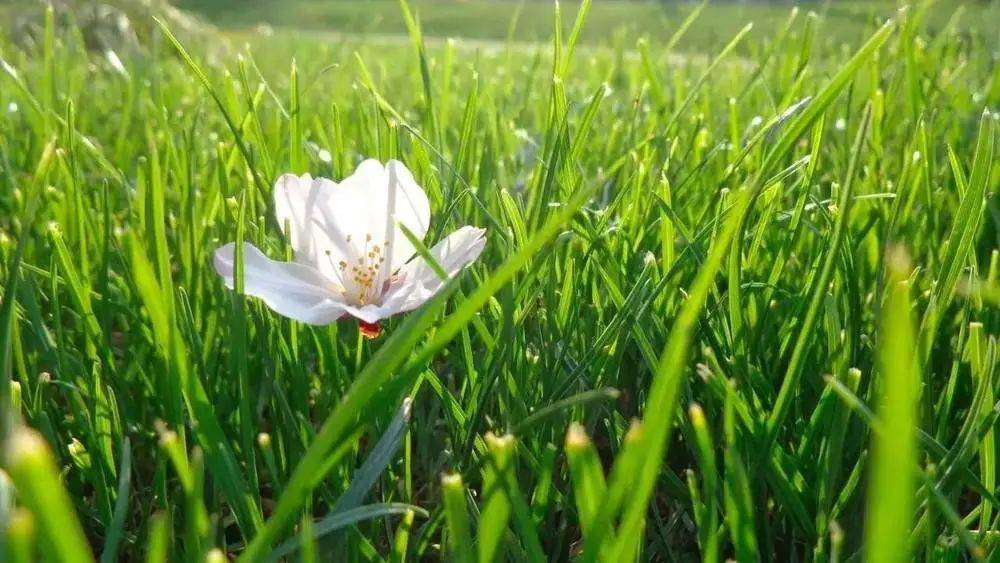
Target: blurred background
<point>611,21</point>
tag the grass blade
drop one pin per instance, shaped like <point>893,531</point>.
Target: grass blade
<point>32,469</point>
<point>891,493</point>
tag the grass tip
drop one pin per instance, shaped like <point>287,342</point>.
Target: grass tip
<point>25,445</point>
<point>854,377</point>
<point>504,442</point>
<point>696,414</point>
<point>634,431</point>
<point>898,260</point>
<point>15,391</point>
<point>21,523</point>
<point>836,533</point>
<point>451,481</point>
<point>264,441</point>
<point>576,436</point>
<point>168,438</point>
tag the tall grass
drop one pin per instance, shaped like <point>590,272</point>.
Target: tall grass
<point>735,304</point>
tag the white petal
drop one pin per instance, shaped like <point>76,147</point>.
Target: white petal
<point>419,281</point>
<point>371,313</point>
<point>301,205</point>
<point>294,203</point>
<point>293,290</point>
<point>337,227</point>
<point>370,204</point>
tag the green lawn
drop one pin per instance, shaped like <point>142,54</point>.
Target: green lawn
<point>738,300</point>
<point>609,21</point>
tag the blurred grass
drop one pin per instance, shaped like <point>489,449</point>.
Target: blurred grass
<point>531,20</point>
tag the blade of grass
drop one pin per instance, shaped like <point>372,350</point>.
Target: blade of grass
<point>891,493</point>
<point>33,470</point>
<point>589,485</point>
<point>459,543</point>
<point>116,530</point>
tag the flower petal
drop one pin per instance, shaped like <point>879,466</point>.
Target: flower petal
<point>371,314</point>
<point>294,290</point>
<point>301,205</point>
<point>342,229</point>
<point>294,206</point>
<point>419,281</point>
<point>370,204</point>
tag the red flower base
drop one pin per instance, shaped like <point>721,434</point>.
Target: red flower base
<point>369,330</point>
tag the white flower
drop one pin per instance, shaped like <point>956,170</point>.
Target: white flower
<point>351,256</point>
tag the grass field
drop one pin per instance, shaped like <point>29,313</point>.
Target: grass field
<point>739,297</point>
<point>609,20</point>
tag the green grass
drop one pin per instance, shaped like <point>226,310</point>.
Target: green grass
<point>739,298</point>
<point>531,20</point>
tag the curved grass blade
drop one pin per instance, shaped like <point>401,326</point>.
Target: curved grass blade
<point>585,398</point>
<point>373,467</point>
<point>348,518</point>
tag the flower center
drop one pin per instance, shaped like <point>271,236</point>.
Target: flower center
<point>361,277</point>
